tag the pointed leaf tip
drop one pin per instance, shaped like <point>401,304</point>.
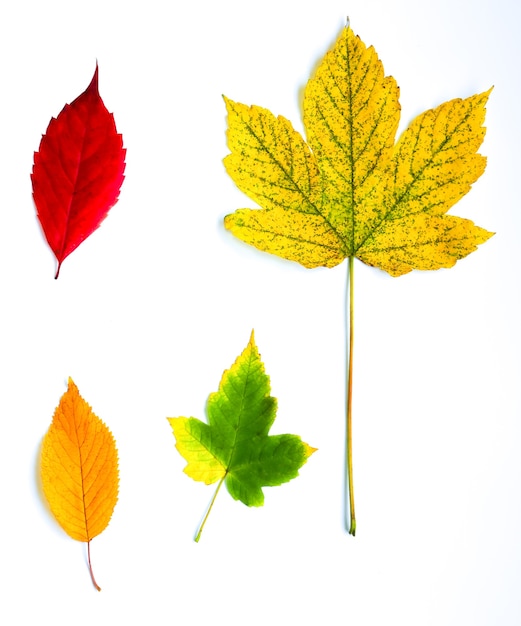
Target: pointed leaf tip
<point>309,450</point>
<point>93,86</point>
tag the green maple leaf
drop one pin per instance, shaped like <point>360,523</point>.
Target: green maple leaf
<point>234,447</point>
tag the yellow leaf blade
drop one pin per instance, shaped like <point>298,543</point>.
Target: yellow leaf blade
<point>306,239</point>
<point>190,435</point>
<point>79,468</point>
<point>351,113</point>
<point>422,242</point>
<point>366,193</point>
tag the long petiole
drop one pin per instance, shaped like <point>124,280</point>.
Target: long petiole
<point>198,536</point>
<point>349,402</point>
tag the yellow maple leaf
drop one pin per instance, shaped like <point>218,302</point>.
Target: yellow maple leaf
<point>350,191</point>
<point>79,469</point>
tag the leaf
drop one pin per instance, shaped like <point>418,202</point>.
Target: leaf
<point>234,446</point>
<point>350,191</point>
<point>79,469</point>
<point>77,172</point>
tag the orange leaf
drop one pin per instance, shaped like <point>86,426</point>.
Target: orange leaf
<point>79,469</point>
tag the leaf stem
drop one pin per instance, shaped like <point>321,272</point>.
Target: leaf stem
<point>90,568</point>
<point>349,403</point>
<point>198,536</point>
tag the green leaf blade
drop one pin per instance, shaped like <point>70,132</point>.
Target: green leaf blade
<point>235,445</point>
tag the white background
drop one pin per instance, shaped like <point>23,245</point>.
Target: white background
<point>151,309</point>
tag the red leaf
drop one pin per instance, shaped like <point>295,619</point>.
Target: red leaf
<point>77,172</point>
